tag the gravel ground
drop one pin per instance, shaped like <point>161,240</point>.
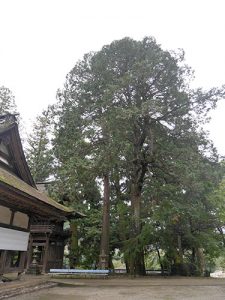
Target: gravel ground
<point>133,289</point>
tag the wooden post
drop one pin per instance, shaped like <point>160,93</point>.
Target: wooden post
<point>73,254</point>
<point>22,260</point>
<point>21,263</point>
<point>3,262</point>
<point>45,259</point>
<point>29,252</point>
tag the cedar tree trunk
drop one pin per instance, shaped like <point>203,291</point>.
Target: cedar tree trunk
<point>104,248</point>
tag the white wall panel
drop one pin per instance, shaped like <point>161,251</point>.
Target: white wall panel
<point>13,239</point>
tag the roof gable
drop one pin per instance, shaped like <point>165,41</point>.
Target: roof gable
<point>12,157</point>
<point>16,181</point>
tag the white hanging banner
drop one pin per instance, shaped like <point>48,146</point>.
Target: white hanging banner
<point>13,239</point>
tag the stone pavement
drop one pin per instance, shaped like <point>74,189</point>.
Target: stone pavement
<point>115,287</point>
<point>26,284</point>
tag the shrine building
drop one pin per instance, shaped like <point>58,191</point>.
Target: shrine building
<point>29,219</point>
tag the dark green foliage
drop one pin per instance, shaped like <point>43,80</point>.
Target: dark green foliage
<point>39,152</point>
<point>127,112</point>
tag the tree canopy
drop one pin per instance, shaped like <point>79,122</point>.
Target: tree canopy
<point>127,113</point>
<point>7,101</point>
<point>38,151</point>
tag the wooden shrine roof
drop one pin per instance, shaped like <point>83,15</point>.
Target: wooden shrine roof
<point>17,178</point>
<point>10,133</point>
<point>15,182</point>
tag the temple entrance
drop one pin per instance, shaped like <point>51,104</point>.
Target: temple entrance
<point>47,243</point>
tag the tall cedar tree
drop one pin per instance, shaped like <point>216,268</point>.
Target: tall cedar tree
<point>38,151</point>
<point>129,107</point>
<point>7,101</point>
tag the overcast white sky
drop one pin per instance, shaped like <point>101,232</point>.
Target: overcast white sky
<point>41,40</point>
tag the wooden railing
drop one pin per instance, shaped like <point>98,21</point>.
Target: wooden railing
<point>42,228</point>
<point>48,229</point>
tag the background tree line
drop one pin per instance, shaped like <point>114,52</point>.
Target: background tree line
<point>125,145</point>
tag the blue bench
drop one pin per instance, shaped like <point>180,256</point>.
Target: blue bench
<point>82,273</point>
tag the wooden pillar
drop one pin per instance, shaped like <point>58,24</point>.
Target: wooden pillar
<point>3,262</point>
<point>29,252</point>
<point>46,249</point>
<point>21,263</point>
<point>22,259</point>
